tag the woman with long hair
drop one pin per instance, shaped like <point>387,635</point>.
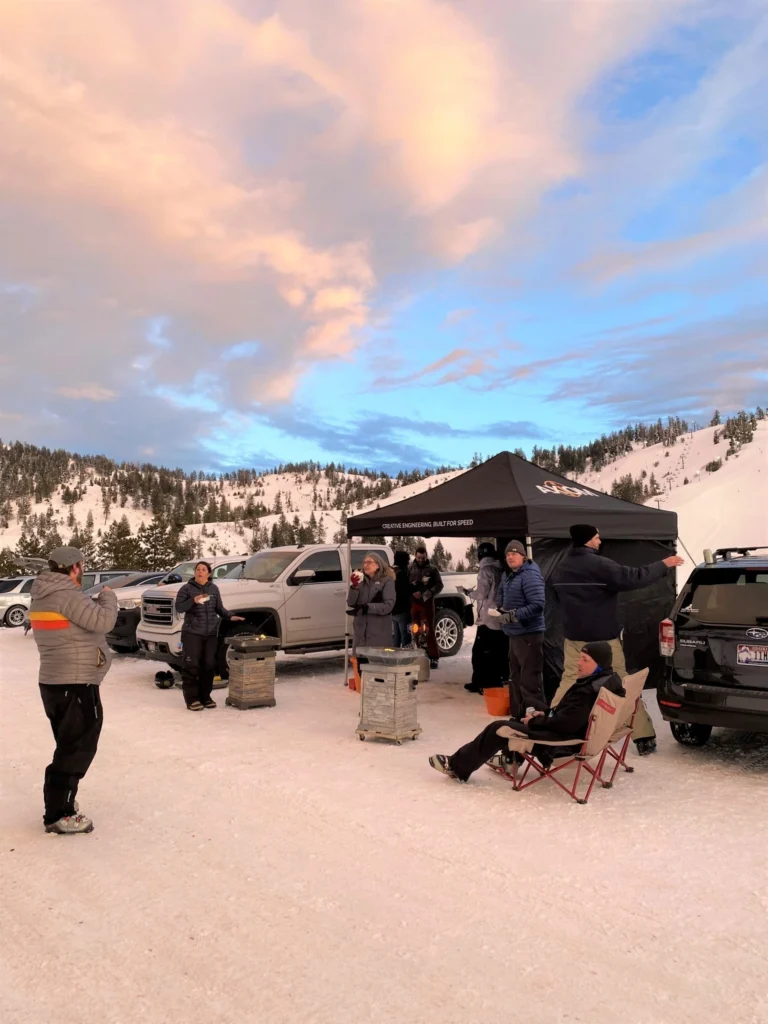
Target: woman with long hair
<point>200,602</point>
<point>371,599</point>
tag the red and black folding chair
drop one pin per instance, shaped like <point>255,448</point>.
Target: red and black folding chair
<point>633,685</point>
<point>602,724</point>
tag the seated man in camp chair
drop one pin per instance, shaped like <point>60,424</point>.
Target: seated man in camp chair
<point>568,721</point>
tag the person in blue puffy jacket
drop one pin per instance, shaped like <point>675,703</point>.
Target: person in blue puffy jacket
<point>520,607</point>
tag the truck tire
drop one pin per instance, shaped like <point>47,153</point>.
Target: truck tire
<point>449,632</point>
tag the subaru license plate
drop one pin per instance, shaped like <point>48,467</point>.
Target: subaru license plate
<point>751,654</point>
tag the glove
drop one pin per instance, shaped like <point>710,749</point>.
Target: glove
<point>353,611</point>
<point>508,617</point>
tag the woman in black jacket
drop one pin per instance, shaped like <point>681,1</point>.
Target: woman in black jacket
<point>568,721</point>
<point>200,602</point>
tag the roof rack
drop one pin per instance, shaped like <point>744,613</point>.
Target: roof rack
<point>726,554</point>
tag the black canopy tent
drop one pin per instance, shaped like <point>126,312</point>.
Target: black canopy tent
<point>508,497</point>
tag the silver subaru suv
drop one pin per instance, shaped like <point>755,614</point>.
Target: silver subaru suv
<point>15,599</point>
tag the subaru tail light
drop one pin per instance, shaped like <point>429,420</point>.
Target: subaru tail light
<point>667,638</point>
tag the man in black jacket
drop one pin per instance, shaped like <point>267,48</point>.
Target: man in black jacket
<point>426,584</point>
<point>568,721</point>
<point>588,587</point>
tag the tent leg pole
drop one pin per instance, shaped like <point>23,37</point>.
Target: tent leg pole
<point>346,617</point>
<point>529,548</point>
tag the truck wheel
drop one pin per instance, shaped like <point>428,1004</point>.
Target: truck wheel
<point>449,632</point>
<point>690,735</point>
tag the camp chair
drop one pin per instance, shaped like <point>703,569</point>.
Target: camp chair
<point>606,710</point>
<point>633,686</point>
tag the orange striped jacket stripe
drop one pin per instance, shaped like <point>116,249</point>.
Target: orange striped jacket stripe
<point>48,620</point>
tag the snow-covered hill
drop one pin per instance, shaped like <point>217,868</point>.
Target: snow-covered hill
<point>729,506</point>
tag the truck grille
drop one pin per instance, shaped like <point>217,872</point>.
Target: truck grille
<point>157,611</point>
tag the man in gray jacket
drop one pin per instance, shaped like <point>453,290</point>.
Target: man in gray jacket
<point>69,631</point>
<point>490,651</point>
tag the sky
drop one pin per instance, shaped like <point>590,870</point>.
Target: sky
<point>390,233</point>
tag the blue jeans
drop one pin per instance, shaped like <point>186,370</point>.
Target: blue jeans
<point>401,635</point>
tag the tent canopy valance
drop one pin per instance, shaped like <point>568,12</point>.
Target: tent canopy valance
<point>507,496</point>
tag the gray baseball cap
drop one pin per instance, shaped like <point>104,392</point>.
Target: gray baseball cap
<point>65,558</point>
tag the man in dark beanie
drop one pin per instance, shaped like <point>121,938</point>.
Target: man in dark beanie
<point>401,613</point>
<point>520,609</point>
<point>568,721</point>
<point>588,587</point>
<point>69,631</point>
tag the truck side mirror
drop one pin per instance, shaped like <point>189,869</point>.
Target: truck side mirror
<point>302,575</point>
<point>173,578</point>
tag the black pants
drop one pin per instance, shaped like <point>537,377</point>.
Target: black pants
<point>490,658</point>
<point>76,717</point>
<point>526,663</point>
<point>474,754</point>
<point>198,666</point>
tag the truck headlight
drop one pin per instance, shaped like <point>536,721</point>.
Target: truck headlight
<point>129,602</point>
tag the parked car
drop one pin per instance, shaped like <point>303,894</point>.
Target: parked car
<point>15,600</point>
<point>297,594</point>
<point>715,644</point>
<point>93,578</point>
<point>129,588</point>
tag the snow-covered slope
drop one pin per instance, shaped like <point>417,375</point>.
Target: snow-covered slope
<point>729,506</point>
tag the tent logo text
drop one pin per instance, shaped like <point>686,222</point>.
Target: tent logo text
<point>553,487</point>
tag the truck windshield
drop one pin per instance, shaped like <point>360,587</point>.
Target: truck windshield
<point>185,569</point>
<point>266,566</point>
<point>728,597</point>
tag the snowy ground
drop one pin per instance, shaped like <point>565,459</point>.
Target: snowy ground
<point>267,866</point>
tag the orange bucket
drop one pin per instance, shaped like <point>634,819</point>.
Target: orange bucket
<point>497,701</point>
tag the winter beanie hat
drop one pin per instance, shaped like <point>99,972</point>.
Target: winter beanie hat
<point>402,558</point>
<point>486,550</point>
<point>581,534</point>
<point>600,651</point>
<point>515,545</point>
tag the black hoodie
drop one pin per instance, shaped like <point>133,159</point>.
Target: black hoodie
<point>569,720</point>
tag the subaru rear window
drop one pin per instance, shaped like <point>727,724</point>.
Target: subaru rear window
<point>728,597</point>
<point>6,586</point>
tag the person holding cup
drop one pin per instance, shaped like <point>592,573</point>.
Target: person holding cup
<point>371,598</point>
<point>200,603</point>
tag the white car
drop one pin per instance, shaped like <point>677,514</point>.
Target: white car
<point>15,600</point>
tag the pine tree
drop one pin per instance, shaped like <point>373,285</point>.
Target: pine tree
<point>471,557</point>
<point>439,556</point>
<point>119,549</point>
<point>716,420</point>
<point>106,503</point>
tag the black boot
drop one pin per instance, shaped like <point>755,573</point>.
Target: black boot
<point>645,747</point>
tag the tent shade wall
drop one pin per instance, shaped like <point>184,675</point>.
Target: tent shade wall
<point>507,496</point>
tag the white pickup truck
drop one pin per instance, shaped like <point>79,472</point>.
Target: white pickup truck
<point>297,594</point>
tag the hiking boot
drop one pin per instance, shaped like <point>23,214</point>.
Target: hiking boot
<point>195,706</point>
<point>209,703</point>
<point>473,688</point>
<point>70,825</point>
<point>647,746</point>
<point>441,763</point>
<point>434,663</point>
